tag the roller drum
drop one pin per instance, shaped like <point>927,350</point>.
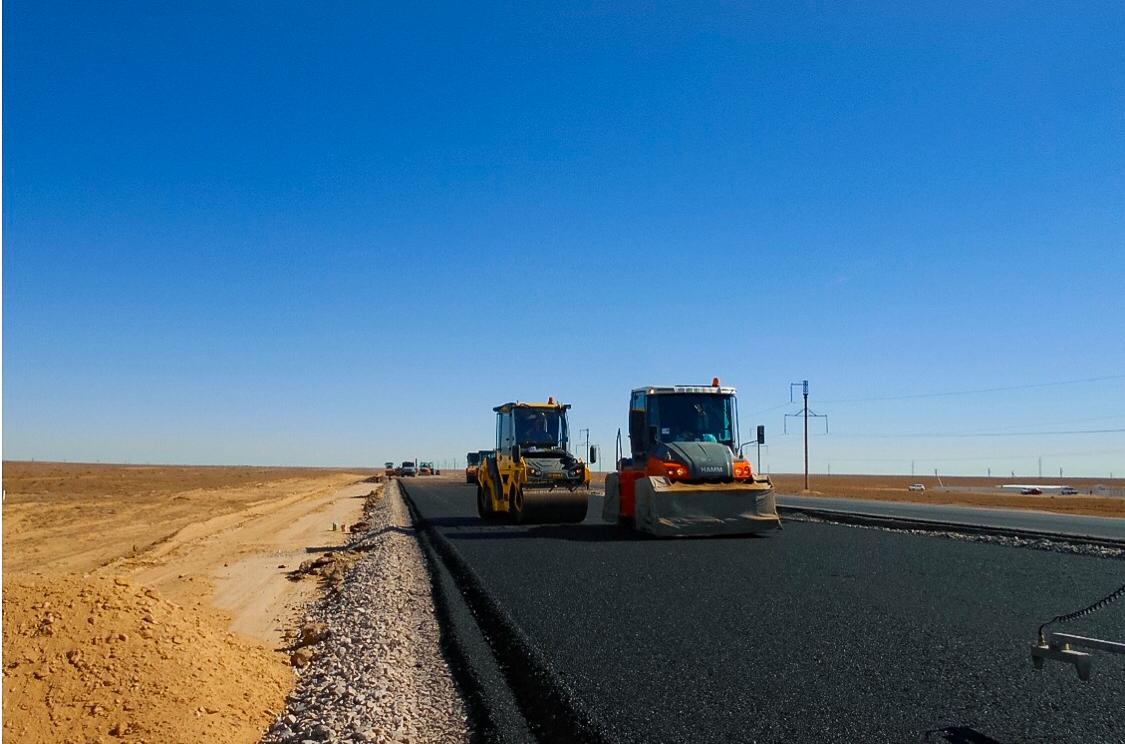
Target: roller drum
<point>550,506</point>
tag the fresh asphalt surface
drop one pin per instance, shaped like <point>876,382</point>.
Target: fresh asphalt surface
<point>1064,524</point>
<point>819,632</point>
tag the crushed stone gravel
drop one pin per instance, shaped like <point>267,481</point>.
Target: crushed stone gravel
<point>368,658</point>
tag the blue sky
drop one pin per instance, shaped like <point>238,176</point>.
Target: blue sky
<point>298,233</point>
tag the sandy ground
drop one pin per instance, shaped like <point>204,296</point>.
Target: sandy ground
<point>147,603</point>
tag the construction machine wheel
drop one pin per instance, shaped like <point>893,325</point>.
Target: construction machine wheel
<point>484,508</point>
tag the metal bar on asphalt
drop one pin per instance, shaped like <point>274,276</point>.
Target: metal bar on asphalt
<point>1057,639</point>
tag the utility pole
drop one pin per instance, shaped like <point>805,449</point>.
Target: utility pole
<point>1040,466</point>
<point>806,413</point>
<point>587,451</point>
<point>911,468</point>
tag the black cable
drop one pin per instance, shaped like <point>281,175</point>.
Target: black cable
<point>1109,598</point>
<point>972,435</point>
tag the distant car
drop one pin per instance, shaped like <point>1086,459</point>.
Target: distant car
<point>916,487</point>
<point>408,470</point>
<point>1068,491</point>
<point>1031,492</point>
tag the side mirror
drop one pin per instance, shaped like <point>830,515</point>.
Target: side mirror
<point>593,454</point>
<point>516,452</point>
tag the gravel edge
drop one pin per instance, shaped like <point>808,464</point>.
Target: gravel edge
<point>368,657</point>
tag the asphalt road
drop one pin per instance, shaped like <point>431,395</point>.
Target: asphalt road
<point>1065,524</point>
<point>817,633</point>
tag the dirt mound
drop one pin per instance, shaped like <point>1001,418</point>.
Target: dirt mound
<point>330,567</point>
<point>99,659</point>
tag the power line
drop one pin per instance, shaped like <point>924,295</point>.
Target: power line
<point>771,408</point>
<point>976,458</point>
<point>970,435</point>
<point>977,391</point>
<point>1055,423</point>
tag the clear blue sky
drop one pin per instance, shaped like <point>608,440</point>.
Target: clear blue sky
<point>340,233</point>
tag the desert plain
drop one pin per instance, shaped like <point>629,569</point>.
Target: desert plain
<point>151,603</point>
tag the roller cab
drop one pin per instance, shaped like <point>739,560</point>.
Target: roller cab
<point>684,474</point>
<point>531,476</point>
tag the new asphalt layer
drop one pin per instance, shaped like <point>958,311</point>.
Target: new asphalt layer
<point>1107,528</point>
<point>819,632</point>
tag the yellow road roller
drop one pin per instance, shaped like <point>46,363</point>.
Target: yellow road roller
<point>532,477</point>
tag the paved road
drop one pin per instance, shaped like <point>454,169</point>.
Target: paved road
<point>817,633</point>
<point>1008,518</point>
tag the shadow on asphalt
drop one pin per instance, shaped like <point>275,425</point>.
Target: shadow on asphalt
<point>571,532</point>
<point>584,532</point>
<point>960,735</point>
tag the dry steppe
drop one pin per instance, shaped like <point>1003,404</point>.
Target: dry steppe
<point>150,603</point>
<point>961,490</point>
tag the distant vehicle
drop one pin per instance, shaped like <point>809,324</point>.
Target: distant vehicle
<point>1069,491</point>
<point>408,470</point>
<point>916,487</point>
<point>473,462</point>
<point>425,468</point>
<point>1031,491</point>
<point>476,460</point>
<point>388,469</point>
